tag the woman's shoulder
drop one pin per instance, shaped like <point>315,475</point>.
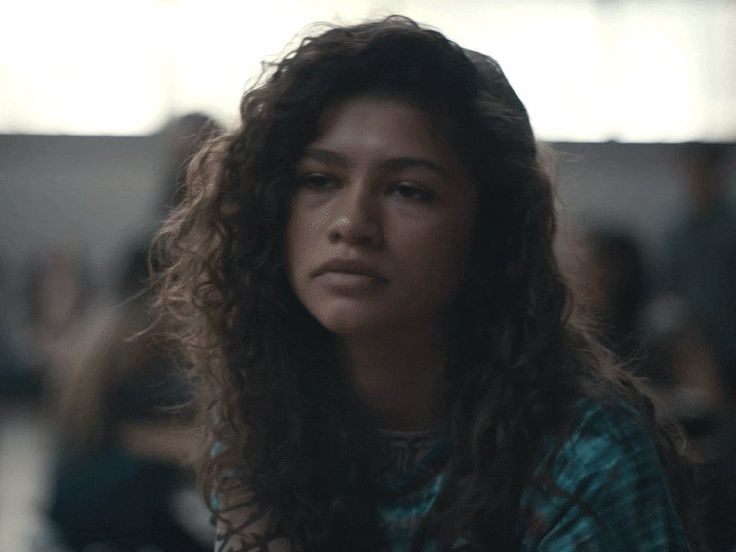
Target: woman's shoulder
<point>605,443</point>
<point>601,427</point>
<point>600,485</point>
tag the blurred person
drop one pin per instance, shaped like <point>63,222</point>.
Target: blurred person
<point>617,288</point>
<point>124,437</point>
<point>702,256</point>
<point>681,361</point>
<point>362,276</point>
<point>60,289</point>
<point>701,354</point>
<point>183,137</point>
<point>126,431</point>
<point>684,369</point>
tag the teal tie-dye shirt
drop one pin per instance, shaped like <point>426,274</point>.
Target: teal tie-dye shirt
<point>607,462</point>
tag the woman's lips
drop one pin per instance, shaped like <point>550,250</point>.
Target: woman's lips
<point>349,281</point>
<point>342,275</point>
<point>350,266</point>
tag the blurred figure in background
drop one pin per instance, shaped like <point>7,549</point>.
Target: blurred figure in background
<point>702,256</point>
<point>618,289</point>
<point>59,293</point>
<point>126,432</point>
<point>683,365</point>
<point>700,351</point>
<point>124,438</point>
<point>183,136</point>
<point>684,369</point>
<point>654,333</point>
<point>660,339</point>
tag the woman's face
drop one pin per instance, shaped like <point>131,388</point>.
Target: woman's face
<point>381,220</point>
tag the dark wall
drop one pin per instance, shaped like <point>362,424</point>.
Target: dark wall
<point>91,193</point>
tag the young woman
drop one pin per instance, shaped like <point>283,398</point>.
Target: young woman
<point>363,278</point>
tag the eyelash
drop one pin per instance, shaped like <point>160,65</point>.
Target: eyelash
<point>410,192</point>
<point>317,181</point>
<point>416,193</point>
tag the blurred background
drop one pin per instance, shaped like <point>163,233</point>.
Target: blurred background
<point>101,105</point>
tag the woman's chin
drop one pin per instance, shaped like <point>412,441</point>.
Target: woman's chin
<point>346,325</point>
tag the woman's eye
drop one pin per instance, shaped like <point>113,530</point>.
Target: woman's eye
<point>317,181</point>
<point>409,191</point>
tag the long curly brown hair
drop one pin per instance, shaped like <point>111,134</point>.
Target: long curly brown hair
<point>279,418</point>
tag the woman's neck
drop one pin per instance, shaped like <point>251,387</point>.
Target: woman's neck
<point>398,378</point>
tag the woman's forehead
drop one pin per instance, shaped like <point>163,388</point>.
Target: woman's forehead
<point>387,127</point>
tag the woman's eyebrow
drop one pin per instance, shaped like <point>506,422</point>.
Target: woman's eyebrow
<point>325,156</point>
<point>408,162</point>
<point>393,164</point>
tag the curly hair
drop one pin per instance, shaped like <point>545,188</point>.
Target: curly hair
<point>279,418</point>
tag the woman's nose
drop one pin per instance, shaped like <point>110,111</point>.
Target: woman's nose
<point>356,219</point>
